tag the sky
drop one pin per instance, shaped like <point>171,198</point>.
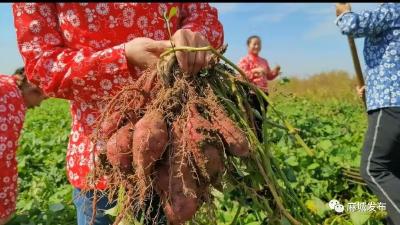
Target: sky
<point>301,37</point>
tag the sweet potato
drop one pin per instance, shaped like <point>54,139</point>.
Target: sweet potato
<point>208,156</point>
<point>119,147</point>
<point>214,163</point>
<point>111,124</point>
<point>196,124</point>
<point>234,137</point>
<point>177,206</point>
<point>179,191</point>
<point>149,141</point>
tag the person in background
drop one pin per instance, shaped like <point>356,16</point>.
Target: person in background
<point>16,95</point>
<point>380,162</point>
<point>257,71</point>
<point>257,68</point>
<point>84,52</point>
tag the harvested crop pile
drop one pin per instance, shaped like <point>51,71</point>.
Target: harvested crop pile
<point>169,133</point>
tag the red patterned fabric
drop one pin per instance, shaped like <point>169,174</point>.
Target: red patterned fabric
<point>76,51</point>
<point>12,114</point>
<point>250,62</point>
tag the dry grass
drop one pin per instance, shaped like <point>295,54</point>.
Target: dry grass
<point>338,85</point>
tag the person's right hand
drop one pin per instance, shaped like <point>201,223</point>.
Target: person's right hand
<point>342,7</point>
<point>145,52</point>
<point>360,91</point>
<point>259,71</point>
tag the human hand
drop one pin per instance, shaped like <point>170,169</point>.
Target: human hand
<point>190,62</point>
<point>145,52</point>
<point>360,91</point>
<point>277,70</point>
<point>259,71</point>
<point>342,7</point>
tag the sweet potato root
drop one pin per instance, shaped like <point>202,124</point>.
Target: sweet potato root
<point>149,141</point>
<point>175,183</point>
<point>178,206</point>
<point>207,155</point>
<point>111,124</point>
<point>234,137</point>
<point>119,148</point>
<point>214,163</point>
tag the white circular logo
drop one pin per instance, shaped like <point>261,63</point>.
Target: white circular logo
<point>335,205</point>
<point>332,203</point>
<point>339,208</point>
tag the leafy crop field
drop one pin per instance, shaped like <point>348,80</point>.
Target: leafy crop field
<point>333,123</point>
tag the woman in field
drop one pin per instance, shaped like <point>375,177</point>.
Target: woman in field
<point>85,52</point>
<point>16,95</point>
<point>257,70</point>
<point>380,163</point>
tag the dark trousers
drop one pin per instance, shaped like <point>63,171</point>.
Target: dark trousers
<point>84,209</point>
<point>380,163</point>
<point>255,103</point>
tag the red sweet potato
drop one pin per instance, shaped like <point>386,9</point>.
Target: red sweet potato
<point>214,163</point>
<point>149,141</point>
<point>119,147</point>
<point>234,137</point>
<point>196,124</point>
<point>110,124</point>
<point>178,207</point>
<point>208,156</point>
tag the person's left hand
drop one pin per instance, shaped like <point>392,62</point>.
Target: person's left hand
<point>342,7</point>
<point>190,62</point>
<point>277,70</point>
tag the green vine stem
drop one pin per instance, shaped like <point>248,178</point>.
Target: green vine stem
<point>265,167</point>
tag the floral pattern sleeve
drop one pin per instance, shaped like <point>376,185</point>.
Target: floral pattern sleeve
<point>63,72</point>
<point>369,23</point>
<point>203,18</point>
<point>12,114</point>
<point>244,65</point>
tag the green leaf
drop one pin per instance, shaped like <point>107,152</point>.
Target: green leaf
<point>313,166</point>
<point>317,206</point>
<point>112,211</point>
<point>325,145</point>
<point>56,207</point>
<point>172,12</point>
<point>292,161</point>
<point>253,223</point>
<point>359,218</point>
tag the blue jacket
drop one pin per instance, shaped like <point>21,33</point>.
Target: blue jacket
<point>381,29</point>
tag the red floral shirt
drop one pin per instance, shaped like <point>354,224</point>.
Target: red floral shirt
<point>250,62</point>
<point>76,51</point>
<point>12,114</point>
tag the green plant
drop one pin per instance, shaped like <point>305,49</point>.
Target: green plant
<point>45,196</point>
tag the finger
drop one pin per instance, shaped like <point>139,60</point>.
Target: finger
<point>159,47</point>
<point>192,56</point>
<point>181,56</point>
<point>200,61</point>
<point>192,59</point>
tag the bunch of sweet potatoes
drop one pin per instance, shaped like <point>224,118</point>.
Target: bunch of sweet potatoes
<point>180,150</point>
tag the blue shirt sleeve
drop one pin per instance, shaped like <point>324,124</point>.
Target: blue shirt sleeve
<point>369,22</point>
